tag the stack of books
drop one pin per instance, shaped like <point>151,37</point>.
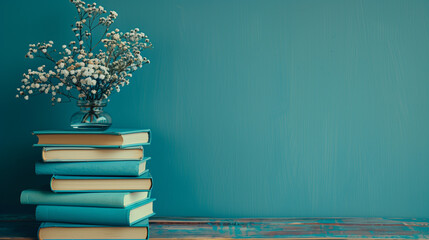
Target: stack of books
<point>100,186</point>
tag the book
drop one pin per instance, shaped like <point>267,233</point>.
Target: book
<point>53,230</point>
<point>110,168</point>
<point>76,154</point>
<point>110,138</point>
<point>96,215</point>
<point>102,199</point>
<point>61,183</point>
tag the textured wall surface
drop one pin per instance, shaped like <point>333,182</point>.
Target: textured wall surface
<point>258,108</point>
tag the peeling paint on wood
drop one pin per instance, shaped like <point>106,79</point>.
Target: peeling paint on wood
<point>289,228</point>
<point>163,228</point>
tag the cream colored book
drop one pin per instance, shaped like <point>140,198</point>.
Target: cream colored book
<point>110,138</point>
<point>78,154</point>
<point>101,183</point>
<point>51,231</point>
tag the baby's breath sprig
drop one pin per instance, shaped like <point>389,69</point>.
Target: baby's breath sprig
<point>86,68</point>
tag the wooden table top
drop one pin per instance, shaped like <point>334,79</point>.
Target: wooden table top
<point>24,227</point>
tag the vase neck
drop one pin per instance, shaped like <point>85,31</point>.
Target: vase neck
<point>92,103</point>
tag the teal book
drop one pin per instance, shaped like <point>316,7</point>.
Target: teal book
<point>61,183</point>
<point>53,230</point>
<point>99,168</point>
<point>101,199</point>
<point>96,215</point>
<point>110,138</point>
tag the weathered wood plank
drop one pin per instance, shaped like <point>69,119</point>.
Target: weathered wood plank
<point>24,227</point>
<point>289,228</point>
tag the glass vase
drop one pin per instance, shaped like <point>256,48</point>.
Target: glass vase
<point>91,116</point>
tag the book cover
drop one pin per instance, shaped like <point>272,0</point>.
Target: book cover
<point>101,199</point>
<point>87,154</point>
<point>109,131</point>
<point>142,223</point>
<point>96,215</point>
<point>61,183</point>
<point>110,138</point>
<point>99,168</point>
<point>54,230</point>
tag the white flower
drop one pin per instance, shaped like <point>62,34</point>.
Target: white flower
<point>64,46</point>
<point>30,91</point>
<point>93,91</point>
<point>86,80</point>
<point>44,50</point>
<point>65,73</point>
<point>59,99</point>
<point>26,97</point>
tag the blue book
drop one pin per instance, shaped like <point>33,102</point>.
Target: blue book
<point>61,183</point>
<point>101,199</point>
<point>108,168</point>
<point>96,215</point>
<point>110,138</point>
<point>53,230</point>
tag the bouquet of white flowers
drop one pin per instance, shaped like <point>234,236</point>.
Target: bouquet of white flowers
<point>87,68</point>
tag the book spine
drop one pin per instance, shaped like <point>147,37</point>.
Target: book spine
<point>25,198</point>
<point>111,168</point>
<point>91,146</point>
<point>142,223</point>
<point>72,199</point>
<point>83,215</point>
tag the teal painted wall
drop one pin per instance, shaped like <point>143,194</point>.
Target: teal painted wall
<point>258,108</point>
